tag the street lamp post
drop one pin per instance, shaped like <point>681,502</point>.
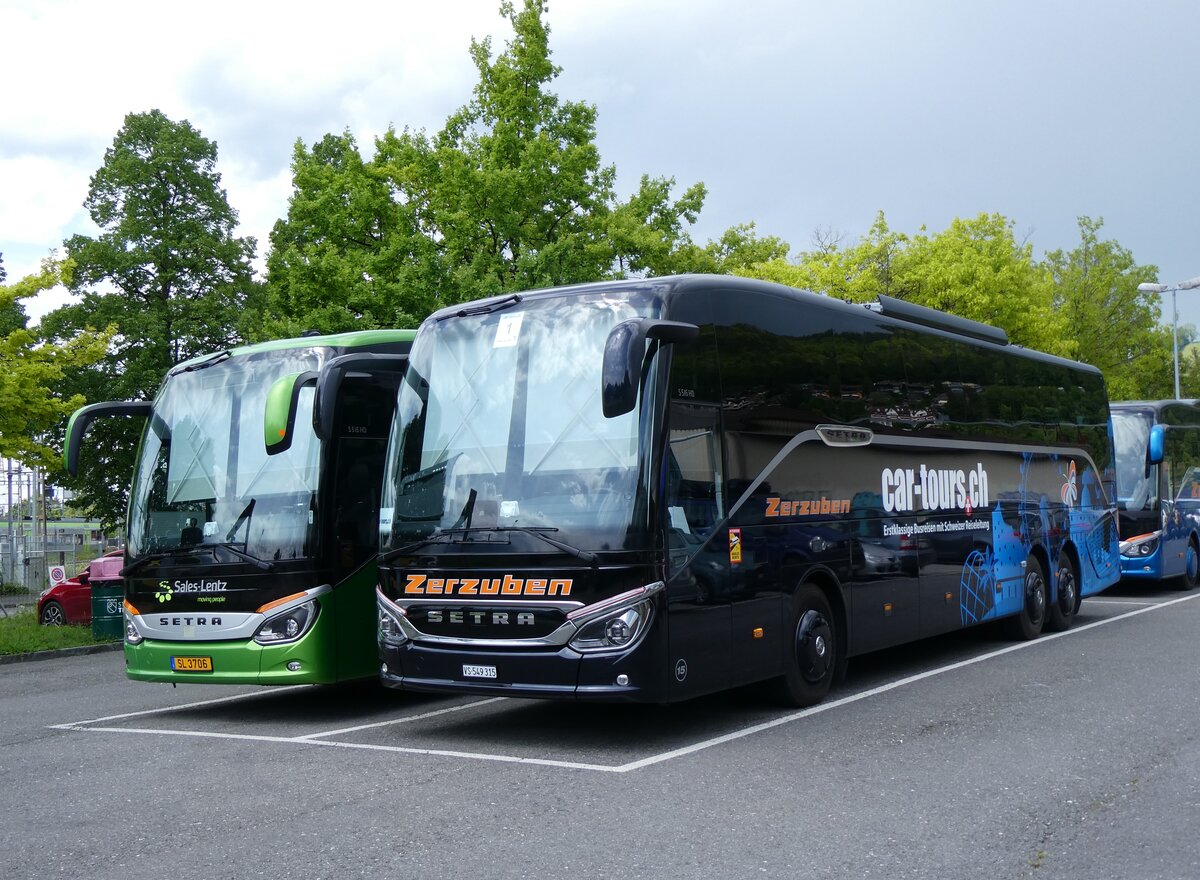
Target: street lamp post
<point>1190,284</point>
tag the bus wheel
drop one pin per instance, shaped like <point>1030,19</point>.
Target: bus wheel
<point>1028,624</point>
<point>1191,567</point>
<point>1062,609</point>
<point>811,653</point>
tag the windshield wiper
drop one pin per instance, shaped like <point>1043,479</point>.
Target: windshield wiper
<point>439,538</point>
<point>486,308</point>
<point>211,549</point>
<point>143,561</point>
<point>211,360</point>
<point>235,549</point>
<point>538,532</point>
<point>243,517</point>
<point>447,536</point>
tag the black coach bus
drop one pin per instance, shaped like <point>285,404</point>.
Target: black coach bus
<point>655,489</point>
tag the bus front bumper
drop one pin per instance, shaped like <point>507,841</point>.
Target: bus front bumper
<point>564,674</point>
<point>232,662</point>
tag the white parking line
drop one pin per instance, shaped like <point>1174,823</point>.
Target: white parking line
<point>313,740</point>
<point>883,689</point>
<point>1121,601</point>
<point>165,709</point>
<point>404,720</point>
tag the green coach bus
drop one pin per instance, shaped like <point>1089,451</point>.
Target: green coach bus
<point>252,522</point>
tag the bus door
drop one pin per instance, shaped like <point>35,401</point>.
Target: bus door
<point>362,420</point>
<point>1181,496</point>
<point>698,581</point>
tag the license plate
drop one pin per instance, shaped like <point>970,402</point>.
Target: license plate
<point>478,671</point>
<point>192,664</point>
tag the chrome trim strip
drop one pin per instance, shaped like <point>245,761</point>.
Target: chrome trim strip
<point>242,625</point>
<point>579,618</point>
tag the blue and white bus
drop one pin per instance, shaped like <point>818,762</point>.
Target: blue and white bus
<point>1158,489</point>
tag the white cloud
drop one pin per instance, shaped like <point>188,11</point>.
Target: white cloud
<point>797,114</point>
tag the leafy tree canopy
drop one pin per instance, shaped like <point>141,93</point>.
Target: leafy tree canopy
<point>1111,324</point>
<point>1083,304</point>
<point>32,372</point>
<point>511,194</point>
<point>166,272</point>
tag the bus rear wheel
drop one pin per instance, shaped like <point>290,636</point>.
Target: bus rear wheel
<point>1062,610</point>
<point>1028,624</point>
<point>812,652</point>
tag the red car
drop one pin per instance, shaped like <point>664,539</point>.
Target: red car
<point>70,601</point>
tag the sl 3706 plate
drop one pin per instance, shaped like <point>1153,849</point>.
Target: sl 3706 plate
<point>476,671</point>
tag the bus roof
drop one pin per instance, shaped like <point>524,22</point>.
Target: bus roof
<point>888,311</point>
<point>350,340</point>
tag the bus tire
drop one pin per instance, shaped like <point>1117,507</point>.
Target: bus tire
<point>812,651</point>
<point>1191,566</point>
<point>1061,611</point>
<point>1028,623</point>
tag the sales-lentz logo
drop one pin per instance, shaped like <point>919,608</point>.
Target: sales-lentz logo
<point>168,589</point>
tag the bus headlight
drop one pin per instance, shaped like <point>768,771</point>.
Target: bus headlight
<point>1141,546</point>
<point>132,636</point>
<point>617,630</point>
<point>288,625</point>
<point>389,632</point>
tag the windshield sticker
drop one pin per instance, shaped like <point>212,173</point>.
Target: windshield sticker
<point>735,546</point>
<point>508,331</point>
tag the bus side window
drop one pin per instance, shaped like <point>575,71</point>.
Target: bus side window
<point>1189,487</point>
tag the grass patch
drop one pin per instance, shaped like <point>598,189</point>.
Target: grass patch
<point>20,633</point>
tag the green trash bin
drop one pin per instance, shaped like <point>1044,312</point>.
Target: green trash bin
<point>108,623</point>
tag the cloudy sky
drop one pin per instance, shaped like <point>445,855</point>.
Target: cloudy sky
<point>798,115</point>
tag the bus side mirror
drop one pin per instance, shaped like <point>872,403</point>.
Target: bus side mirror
<point>82,419</point>
<point>279,418</point>
<point>1157,445</point>
<point>621,372</point>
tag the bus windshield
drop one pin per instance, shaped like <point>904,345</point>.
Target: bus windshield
<point>1135,487</point>
<point>499,427</point>
<point>203,476</point>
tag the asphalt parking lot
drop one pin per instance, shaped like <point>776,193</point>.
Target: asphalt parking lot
<point>1071,756</point>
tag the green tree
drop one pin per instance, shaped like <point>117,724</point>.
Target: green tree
<point>510,194</point>
<point>856,273</point>
<point>1112,325</point>
<point>974,269</point>
<point>166,271</point>
<point>12,313</point>
<point>32,402</point>
<point>348,256</point>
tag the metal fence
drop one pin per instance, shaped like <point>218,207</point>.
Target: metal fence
<point>25,561</point>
